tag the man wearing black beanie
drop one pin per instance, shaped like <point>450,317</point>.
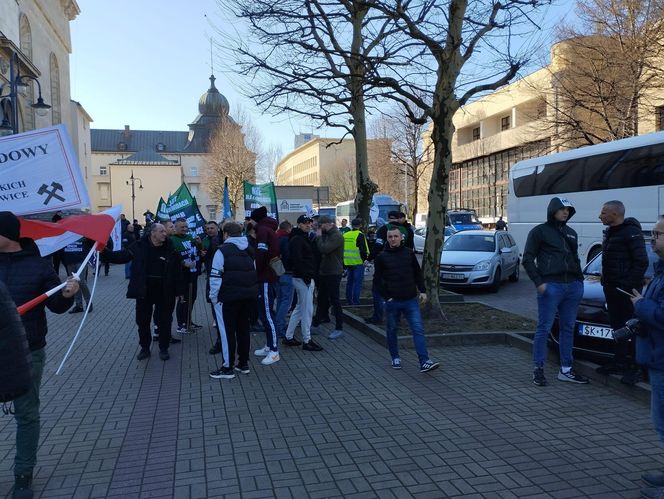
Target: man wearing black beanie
<point>27,275</point>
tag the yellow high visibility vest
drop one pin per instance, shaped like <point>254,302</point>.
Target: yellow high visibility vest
<point>351,251</point>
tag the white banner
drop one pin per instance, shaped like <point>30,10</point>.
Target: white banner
<point>294,205</point>
<point>116,236</point>
<point>39,172</point>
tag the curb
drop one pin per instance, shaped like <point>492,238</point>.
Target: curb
<point>517,339</point>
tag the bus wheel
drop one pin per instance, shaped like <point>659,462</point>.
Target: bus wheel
<point>593,253</point>
<point>495,285</point>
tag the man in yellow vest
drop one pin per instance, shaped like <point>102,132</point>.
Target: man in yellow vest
<point>356,252</point>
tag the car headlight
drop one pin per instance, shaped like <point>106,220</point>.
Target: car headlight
<point>485,265</point>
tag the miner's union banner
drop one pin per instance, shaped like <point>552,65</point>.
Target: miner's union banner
<point>39,173</point>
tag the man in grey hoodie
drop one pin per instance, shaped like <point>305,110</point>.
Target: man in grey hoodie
<point>233,293</point>
<point>551,259</point>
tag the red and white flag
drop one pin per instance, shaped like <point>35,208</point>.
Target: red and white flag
<point>50,237</point>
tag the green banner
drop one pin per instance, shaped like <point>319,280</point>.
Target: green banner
<point>181,204</point>
<point>162,211</point>
<point>257,195</point>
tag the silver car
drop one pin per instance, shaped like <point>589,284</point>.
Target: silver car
<point>479,258</point>
<point>421,234</point>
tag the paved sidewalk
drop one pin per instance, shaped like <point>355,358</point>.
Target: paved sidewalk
<point>338,423</point>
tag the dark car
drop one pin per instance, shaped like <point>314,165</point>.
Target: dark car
<point>593,336</point>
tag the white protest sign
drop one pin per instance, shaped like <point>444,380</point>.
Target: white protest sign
<point>116,236</point>
<point>39,173</point>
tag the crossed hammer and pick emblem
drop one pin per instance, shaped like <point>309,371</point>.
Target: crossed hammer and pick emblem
<point>52,193</point>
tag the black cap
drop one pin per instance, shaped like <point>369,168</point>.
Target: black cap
<point>259,214</point>
<point>10,226</point>
<point>325,219</point>
<point>303,219</point>
<point>394,214</point>
<point>356,222</point>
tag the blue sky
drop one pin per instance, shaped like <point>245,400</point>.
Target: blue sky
<point>145,63</point>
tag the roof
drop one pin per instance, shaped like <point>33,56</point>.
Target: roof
<point>105,140</point>
<point>146,157</point>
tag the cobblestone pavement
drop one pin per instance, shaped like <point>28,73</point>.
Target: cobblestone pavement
<point>338,423</point>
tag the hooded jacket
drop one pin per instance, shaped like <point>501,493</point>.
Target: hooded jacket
<point>27,275</point>
<point>650,311</point>
<point>381,237</point>
<point>398,274</point>
<point>551,253</point>
<point>331,247</point>
<point>267,248</point>
<point>624,257</point>
<point>302,257</point>
<point>233,272</point>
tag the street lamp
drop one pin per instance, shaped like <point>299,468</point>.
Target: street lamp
<point>132,181</point>
<point>9,102</point>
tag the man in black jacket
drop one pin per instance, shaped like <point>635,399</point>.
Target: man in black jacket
<point>398,279</point>
<point>624,264</point>
<point>552,261</point>
<point>154,284</point>
<point>303,266</point>
<point>27,275</point>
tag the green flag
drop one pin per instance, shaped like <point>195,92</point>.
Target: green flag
<point>181,204</point>
<point>259,195</point>
<point>162,211</point>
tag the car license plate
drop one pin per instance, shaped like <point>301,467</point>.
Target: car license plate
<point>456,277</point>
<point>596,331</point>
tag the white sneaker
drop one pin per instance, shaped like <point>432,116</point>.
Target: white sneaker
<point>262,352</point>
<point>270,358</point>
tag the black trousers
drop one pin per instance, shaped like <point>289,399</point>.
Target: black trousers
<point>328,294</point>
<point>155,303</point>
<point>620,310</point>
<point>183,303</point>
<point>234,330</point>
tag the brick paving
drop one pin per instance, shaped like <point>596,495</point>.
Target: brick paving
<point>339,423</point>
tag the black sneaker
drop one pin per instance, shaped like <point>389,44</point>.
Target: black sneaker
<point>312,346</point>
<point>429,365</point>
<point>572,377</point>
<point>538,377</point>
<point>243,369</point>
<point>223,373</point>
<point>291,342</point>
<point>396,363</point>
<point>195,326</point>
<point>143,354</point>
<point>215,349</point>
<point>22,486</point>
<point>163,355</point>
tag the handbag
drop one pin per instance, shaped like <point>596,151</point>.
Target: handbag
<point>277,266</point>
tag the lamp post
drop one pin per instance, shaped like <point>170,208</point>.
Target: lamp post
<point>132,181</point>
<point>9,102</point>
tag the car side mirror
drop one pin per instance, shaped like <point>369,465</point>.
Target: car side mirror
<point>505,250</point>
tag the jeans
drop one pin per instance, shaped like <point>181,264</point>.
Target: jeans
<point>378,305</point>
<point>657,401</point>
<point>26,413</point>
<point>328,294</point>
<point>266,297</point>
<point>411,311</point>
<point>284,301</point>
<point>127,270</point>
<point>304,310</point>
<point>563,298</point>
<point>354,280</point>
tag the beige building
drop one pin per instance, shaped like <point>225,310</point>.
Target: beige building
<point>159,161</point>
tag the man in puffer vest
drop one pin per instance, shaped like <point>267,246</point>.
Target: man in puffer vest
<point>233,292</point>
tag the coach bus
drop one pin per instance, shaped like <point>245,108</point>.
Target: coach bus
<point>381,205</point>
<point>629,170</point>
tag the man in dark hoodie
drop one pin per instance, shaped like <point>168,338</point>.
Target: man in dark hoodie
<point>624,264</point>
<point>330,244</point>
<point>552,261</point>
<point>398,279</point>
<point>267,249</point>
<point>27,275</point>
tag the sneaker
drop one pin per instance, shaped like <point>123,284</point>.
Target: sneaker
<point>396,363</point>
<point>270,358</point>
<point>22,486</point>
<point>653,478</point>
<point>175,341</point>
<point>76,310</point>
<point>215,349</point>
<point>163,355</point>
<point>572,377</point>
<point>143,354</point>
<point>243,369</point>
<point>538,377</point>
<point>312,346</point>
<point>291,342</point>
<point>223,373</point>
<point>336,334</point>
<point>653,492</point>
<point>196,326</point>
<point>182,330</point>
<point>262,352</point>
<point>429,365</point>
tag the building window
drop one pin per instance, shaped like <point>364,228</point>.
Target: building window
<point>476,133</point>
<point>103,170</point>
<point>55,90</point>
<point>194,171</point>
<point>122,146</point>
<point>505,123</point>
<point>193,188</point>
<point>212,210</point>
<point>659,118</point>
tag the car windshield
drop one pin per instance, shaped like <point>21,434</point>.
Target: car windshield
<point>595,265</point>
<point>463,218</point>
<point>474,242</point>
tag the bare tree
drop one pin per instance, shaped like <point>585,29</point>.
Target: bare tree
<point>342,184</point>
<point>268,158</point>
<point>605,69</point>
<point>231,156</point>
<point>311,57</point>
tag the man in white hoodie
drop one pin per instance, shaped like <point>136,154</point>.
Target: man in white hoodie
<point>233,293</point>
